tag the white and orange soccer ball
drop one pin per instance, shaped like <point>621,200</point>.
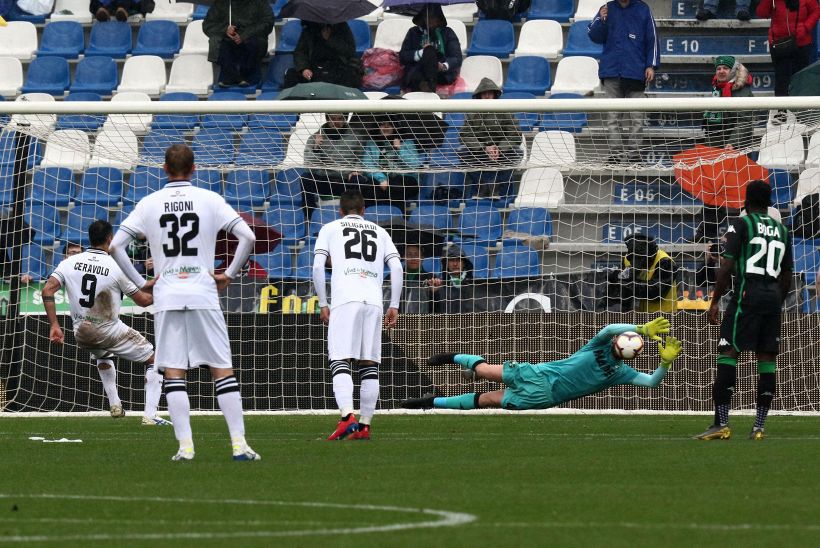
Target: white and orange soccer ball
<point>627,345</point>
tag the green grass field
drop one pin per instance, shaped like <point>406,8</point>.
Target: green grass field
<point>434,480</point>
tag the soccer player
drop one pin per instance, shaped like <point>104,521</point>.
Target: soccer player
<point>358,250</point>
<point>758,252</point>
<point>94,286</point>
<point>181,222</point>
<point>591,369</point>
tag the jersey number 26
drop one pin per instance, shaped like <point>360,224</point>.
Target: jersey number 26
<point>360,245</point>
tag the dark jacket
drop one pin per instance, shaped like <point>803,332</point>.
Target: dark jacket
<point>252,19</point>
<point>483,129</point>
<point>449,49</point>
<point>731,127</point>
<point>630,41</point>
<point>335,55</point>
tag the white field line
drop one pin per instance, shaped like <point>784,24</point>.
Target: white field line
<point>655,525</point>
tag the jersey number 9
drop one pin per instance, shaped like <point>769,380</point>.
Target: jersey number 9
<point>88,287</point>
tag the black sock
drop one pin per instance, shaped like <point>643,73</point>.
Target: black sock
<point>765,394</point>
<point>723,389</point>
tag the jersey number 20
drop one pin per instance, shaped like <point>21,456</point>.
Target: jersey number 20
<point>180,246</point>
<point>773,250</point>
<point>360,245</point>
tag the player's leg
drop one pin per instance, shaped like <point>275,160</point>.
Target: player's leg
<point>172,355</point>
<point>153,392</point>
<point>344,336</point>
<point>368,365</point>
<point>464,402</point>
<point>472,365</point>
<point>108,376</point>
<point>766,386</point>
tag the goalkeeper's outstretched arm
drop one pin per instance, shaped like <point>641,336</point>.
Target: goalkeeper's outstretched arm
<point>668,352</point>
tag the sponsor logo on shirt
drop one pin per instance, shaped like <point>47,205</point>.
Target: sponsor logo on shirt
<point>360,272</point>
<point>723,342</point>
<point>182,272</point>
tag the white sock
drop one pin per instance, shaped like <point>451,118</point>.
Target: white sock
<point>230,403</point>
<point>343,390</point>
<point>369,396</point>
<point>153,391</point>
<point>109,380</point>
<point>179,408</point>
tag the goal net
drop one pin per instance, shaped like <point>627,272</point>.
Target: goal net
<point>511,217</point>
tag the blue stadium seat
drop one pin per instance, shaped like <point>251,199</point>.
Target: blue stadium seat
<point>480,223</point>
<point>282,122</point>
<point>382,214</point>
<point>529,74</point>
<point>277,263</point>
<point>101,186</point>
<point>84,122</point>
<point>517,261</point>
<point>578,42</point>
<point>451,180</point>
<point>432,216</point>
<point>209,179</point>
<point>557,10</point>
<point>158,37</point>
<point>53,186</point>
<point>79,218</point>
<point>479,255</point>
<point>321,216</point>
<point>492,37</point>
<point>806,258</point>
<point>247,187</point>
<point>535,221</point>
<point>288,37</point>
<point>289,221</point>
<point>33,262</point>
<point>182,122</point>
<point>275,75</point>
<point>6,186</point>
<point>361,35</point>
<point>7,148</point>
<point>144,181</point>
<point>230,122</point>
<point>526,120</point>
<point>62,39</point>
<point>95,75</point>
<point>200,11</point>
<point>44,220</point>
<point>213,146</point>
<point>112,39</point>
<point>446,156</point>
<point>573,122</point>
<point>304,264</point>
<point>782,188</point>
<point>260,146</point>
<point>47,75</point>
<point>277,7</point>
<point>121,215</point>
<point>287,187</point>
<point>432,265</point>
<point>157,141</point>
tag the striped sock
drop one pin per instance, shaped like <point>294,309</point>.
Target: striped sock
<point>179,407</point>
<point>722,412</point>
<point>342,386</point>
<point>230,403</point>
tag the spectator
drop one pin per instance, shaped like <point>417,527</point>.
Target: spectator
<point>103,10</point>
<point>729,129</point>
<point>15,9</point>
<point>416,295</point>
<point>631,56</point>
<point>648,281</point>
<point>452,290</point>
<point>503,9</point>
<point>492,140</point>
<point>238,39</point>
<point>431,52</point>
<point>388,158</point>
<point>70,249</point>
<point>414,272</point>
<point>325,53</point>
<point>334,145</point>
<point>710,8</point>
<point>793,19</point>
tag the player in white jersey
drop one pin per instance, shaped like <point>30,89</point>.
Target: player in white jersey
<point>358,250</point>
<point>181,223</point>
<point>94,286</point>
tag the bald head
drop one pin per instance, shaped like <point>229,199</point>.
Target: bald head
<point>179,162</point>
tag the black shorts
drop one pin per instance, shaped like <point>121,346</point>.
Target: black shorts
<point>750,330</point>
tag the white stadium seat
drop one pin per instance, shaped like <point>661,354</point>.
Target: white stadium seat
<point>138,123</point>
<point>782,148</point>
<point>474,68</point>
<point>295,155</point>
<point>115,147</point>
<point>541,38</point>
<point>71,10</point>
<point>813,154</point>
<point>67,148</point>
<point>540,187</point>
<point>171,10</point>
<point>37,123</point>
<point>145,73</point>
<point>461,33</point>
<point>271,42</point>
<point>11,76</point>
<point>553,148</point>
<point>588,9</point>
<point>463,13</point>
<point>191,73</point>
<point>375,95</point>
<point>196,41</point>
<point>374,15</point>
<point>18,39</point>
<point>808,183</point>
<point>422,96</point>
<point>391,32</point>
<point>576,75</point>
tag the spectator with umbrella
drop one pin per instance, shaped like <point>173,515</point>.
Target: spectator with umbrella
<point>391,161</point>
<point>431,52</point>
<point>325,53</point>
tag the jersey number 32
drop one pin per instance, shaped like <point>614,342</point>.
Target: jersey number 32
<point>180,245</point>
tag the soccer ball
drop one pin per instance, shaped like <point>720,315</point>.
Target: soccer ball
<point>627,345</point>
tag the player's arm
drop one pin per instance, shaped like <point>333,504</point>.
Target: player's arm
<point>668,351</point>
<point>52,286</point>
<point>396,280</point>
<point>786,270</point>
<point>724,278</point>
<point>609,331</point>
<point>319,283</point>
<point>117,250</point>
<point>247,240</point>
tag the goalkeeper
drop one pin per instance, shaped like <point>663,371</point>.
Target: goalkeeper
<point>591,369</point>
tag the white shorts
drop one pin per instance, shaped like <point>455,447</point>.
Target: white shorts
<point>189,338</point>
<point>120,341</point>
<point>355,331</point>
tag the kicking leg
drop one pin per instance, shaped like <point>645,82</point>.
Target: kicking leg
<point>108,376</point>
<point>368,396</point>
<point>230,403</point>
<point>343,390</point>
<point>722,391</point>
<point>766,382</point>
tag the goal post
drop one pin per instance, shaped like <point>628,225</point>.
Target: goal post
<point>540,227</point>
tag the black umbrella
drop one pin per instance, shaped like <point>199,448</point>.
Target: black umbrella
<point>327,11</point>
<point>425,128</point>
<point>320,91</point>
<point>402,234</point>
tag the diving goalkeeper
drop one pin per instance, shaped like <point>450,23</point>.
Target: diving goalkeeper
<point>591,369</point>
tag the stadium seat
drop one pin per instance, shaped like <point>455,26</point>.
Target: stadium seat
<point>474,68</point>
<point>289,221</point>
<point>447,155</point>
<point>494,37</point>
<point>157,141</point>
<point>66,148</point>
<point>171,10</point>
<point>431,216</point>
<point>144,181</point>
<point>138,123</point>
<point>112,39</point>
<point>309,121</point>
<point>44,220</point>
<point>160,38</point>
<point>587,10</point>
<point>578,42</point>
<point>432,265</point>
<point>231,122</point>
<point>289,37</point>
<point>479,255</point>
<point>191,73</point>
<point>71,10</point>
<point>275,75</point>
<point>79,218</point>
<point>33,262</point>
<point>277,263</point>
<point>391,32</point>
<point>200,11</point>
<point>376,95</point>
<point>573,122</point>
<point>361,35</point>
<point>526,120</point>
<point>195,41</point>
<point>303,270</point>
<point>145,73</point>
<point>209,179</point>
<point>62,39</point>
<point>102,186</point>
<point>781,148</point>
<point>295,152</point>
<point>553,148</point>
<point>11,76</point>
<point>422,96</point>
<point>181,122</point>
<point>7,185</point>
<point>321,216</point>
<point>95,75</point>
<point>806,259</point>
<point>542,38</point>
<point>528,74</point>
<point>52,186</point>
<point>527,221</point>
<point>36,122</point>
<point>247,187</point>
<point>281,122</point>
<point>807,184</point>
<point>452,181</point>
<point>115,147</point>
<point>540,187</point>
<point>18,39</point>
<point>813,153</point>
<point>47,75</point>
<point>260,147</point>
<point>272,42</point>
<point>287,187</point>
<point>463,13</point>
<point>460,29</point>
<point>557,10</point>
<point>383,214</point>
<point>576,75</point>
<point>517,261</point>
<point>781,182</point>
<point>480,223</point>
<point>213,147</point>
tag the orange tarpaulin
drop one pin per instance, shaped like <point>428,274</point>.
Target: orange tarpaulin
<point>716,176</point>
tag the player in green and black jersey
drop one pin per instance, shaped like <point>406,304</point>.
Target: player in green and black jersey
<point>758,251</point>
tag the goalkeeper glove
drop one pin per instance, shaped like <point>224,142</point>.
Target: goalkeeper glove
<point>668,351</point>
<point>653,328</point>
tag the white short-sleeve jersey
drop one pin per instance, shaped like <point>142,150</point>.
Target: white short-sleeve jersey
<point>358,250</point>
<point>181,222</point>
<point>94,286</point>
